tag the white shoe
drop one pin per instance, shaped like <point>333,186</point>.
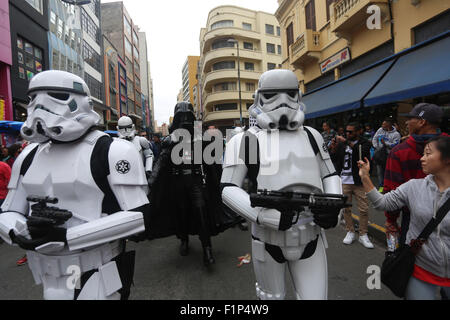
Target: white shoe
<point>349,238</point>
<point>365,241</point>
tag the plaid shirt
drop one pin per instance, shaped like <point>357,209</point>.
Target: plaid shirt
<point>403,164</point>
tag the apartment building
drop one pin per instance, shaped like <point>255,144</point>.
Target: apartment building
<point>5,64</point>
<point>146,85</point>
<point>189,77</point>
<point>364,60</point>
<point>119,28</point>
<point>236,46</point>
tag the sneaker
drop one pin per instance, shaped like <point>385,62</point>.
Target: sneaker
<point>364,239</point>
<point>22,261</point>
<point>349,238</point>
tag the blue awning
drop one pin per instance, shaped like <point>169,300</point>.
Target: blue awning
<point>10,126</point>
<point>422,72</point>
<point>344,94</point>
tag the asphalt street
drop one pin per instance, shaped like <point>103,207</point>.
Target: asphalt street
<point>162,274</point>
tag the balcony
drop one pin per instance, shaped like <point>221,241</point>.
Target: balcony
<point>306,49</point>
<point>349,15</point>
<point>224,74</point>
<point>217,55</point>
<point>231,95</point>
<point>240,33</point>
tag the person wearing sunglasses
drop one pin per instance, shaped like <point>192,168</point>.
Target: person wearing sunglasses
<point>349,150</point>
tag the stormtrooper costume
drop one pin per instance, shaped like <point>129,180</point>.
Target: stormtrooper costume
<point>127,131</point>
<point>302,165</point>
<point>99,180</point>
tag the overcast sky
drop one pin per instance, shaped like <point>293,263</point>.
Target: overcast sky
<point>173,30</point>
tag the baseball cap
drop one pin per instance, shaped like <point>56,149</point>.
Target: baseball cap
<point>426,111</point>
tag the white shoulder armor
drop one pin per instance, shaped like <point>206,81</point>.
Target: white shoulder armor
<point>323,149</point>
<point>125,164</point>
<point>145,144</point>
<point>17,166</point>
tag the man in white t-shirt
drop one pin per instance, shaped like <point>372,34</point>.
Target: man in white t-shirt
<point>348,151</point>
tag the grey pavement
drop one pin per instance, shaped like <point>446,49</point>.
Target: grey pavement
<point>162,274</point>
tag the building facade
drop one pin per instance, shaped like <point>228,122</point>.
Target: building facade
<point>29,48</point>
<point>259,46</point>
<point>6,112</point>
<point>118,27</point>
<point>146,85</point>
<point>112,84</point>
<point>190,78</point>
<point>356,48</point>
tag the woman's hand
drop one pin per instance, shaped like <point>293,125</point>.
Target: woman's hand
<point>364,168</point>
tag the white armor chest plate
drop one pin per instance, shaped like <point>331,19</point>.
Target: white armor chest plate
<point>289,164</point>
<point>64,171</point>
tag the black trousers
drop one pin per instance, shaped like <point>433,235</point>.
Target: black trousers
<point>190,207</point>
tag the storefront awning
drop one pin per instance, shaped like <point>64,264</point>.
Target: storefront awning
<point>344,94</point>
<point>419,73</point>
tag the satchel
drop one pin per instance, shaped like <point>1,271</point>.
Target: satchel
<point>398,266</point>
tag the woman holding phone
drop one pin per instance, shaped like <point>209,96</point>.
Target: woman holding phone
<point>423,197</point>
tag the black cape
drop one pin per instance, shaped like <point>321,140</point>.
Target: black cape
<point>161,220</point>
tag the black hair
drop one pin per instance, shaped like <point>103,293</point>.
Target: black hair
<point>443,145</point>
<point>13,149</point>
<point>356,125</point>
<point>389,120</point>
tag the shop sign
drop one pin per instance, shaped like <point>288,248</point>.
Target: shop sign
<point>335,60</point>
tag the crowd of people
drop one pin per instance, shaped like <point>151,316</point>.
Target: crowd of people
<point>138,190</point>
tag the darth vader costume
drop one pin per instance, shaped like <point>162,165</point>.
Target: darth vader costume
<point>185,191</point>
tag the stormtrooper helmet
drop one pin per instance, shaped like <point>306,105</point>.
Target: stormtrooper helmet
<point>126,128</point>
<point>277,101</point>
<point>60,108</point>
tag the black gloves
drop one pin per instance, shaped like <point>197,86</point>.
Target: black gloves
<point>287,220</point>
<point>42,230</point>
<point>326,218</point>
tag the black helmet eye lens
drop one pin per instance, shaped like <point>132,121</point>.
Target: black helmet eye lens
<point>269,95</point>
<point>59,95</point>
<point>292,94</point>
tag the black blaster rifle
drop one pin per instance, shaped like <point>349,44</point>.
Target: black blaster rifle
<point>289,201</point>
<point>42,215</point>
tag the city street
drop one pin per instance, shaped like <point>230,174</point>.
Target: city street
<point>162,274</point>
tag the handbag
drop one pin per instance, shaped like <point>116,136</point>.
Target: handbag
<point>398,266</point>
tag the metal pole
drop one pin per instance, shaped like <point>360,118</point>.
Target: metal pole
<point>239,82</point>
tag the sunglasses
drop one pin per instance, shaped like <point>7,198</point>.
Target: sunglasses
<point>349,131</point>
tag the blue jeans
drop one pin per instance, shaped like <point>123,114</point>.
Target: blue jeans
<point>380,175</point>
<point>420,290</point>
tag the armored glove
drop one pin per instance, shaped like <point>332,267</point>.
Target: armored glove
<point>326,218</point>
<point>39,237</point>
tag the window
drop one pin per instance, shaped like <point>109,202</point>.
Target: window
<point>224,65</point>
<point>246,26</point>
<point>91,56</point>
<point>310,12</point>
<point>269,29</point>
<point>60,30</point>
<point>225,106</point>
<point>279,49</point>
<point>135,53</point>
<point>270,48</point>
<point>222,43</point>
<point>67,35</point>
<point>52,21</point>
<point>222,24</point>
<point>225,86</point>
<point>249,66</point>
<point>136,68</point>
<point>95,7</point>
<point>37,4</point>
<point>128,47</point>
<point>278,31</point>
<point>94,86</point>
<point>55,64</point>
<point>29,59</point>
<point>249,86</point>
<point>271,66</point>
<point>138,83</point>
<point>130,89</point>
<point>290,35</point>
<point>248,45</point>
<point>135,38</point>
<point>88,25</point>
<point>129,66</point>
<point>127,25</point>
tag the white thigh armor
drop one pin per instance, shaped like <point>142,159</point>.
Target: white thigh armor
<point>287,162</point>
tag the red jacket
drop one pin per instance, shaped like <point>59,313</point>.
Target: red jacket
<point>403,164</point>
<point>5,175</point>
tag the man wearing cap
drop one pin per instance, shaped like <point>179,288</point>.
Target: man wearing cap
<point>403,162</point>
